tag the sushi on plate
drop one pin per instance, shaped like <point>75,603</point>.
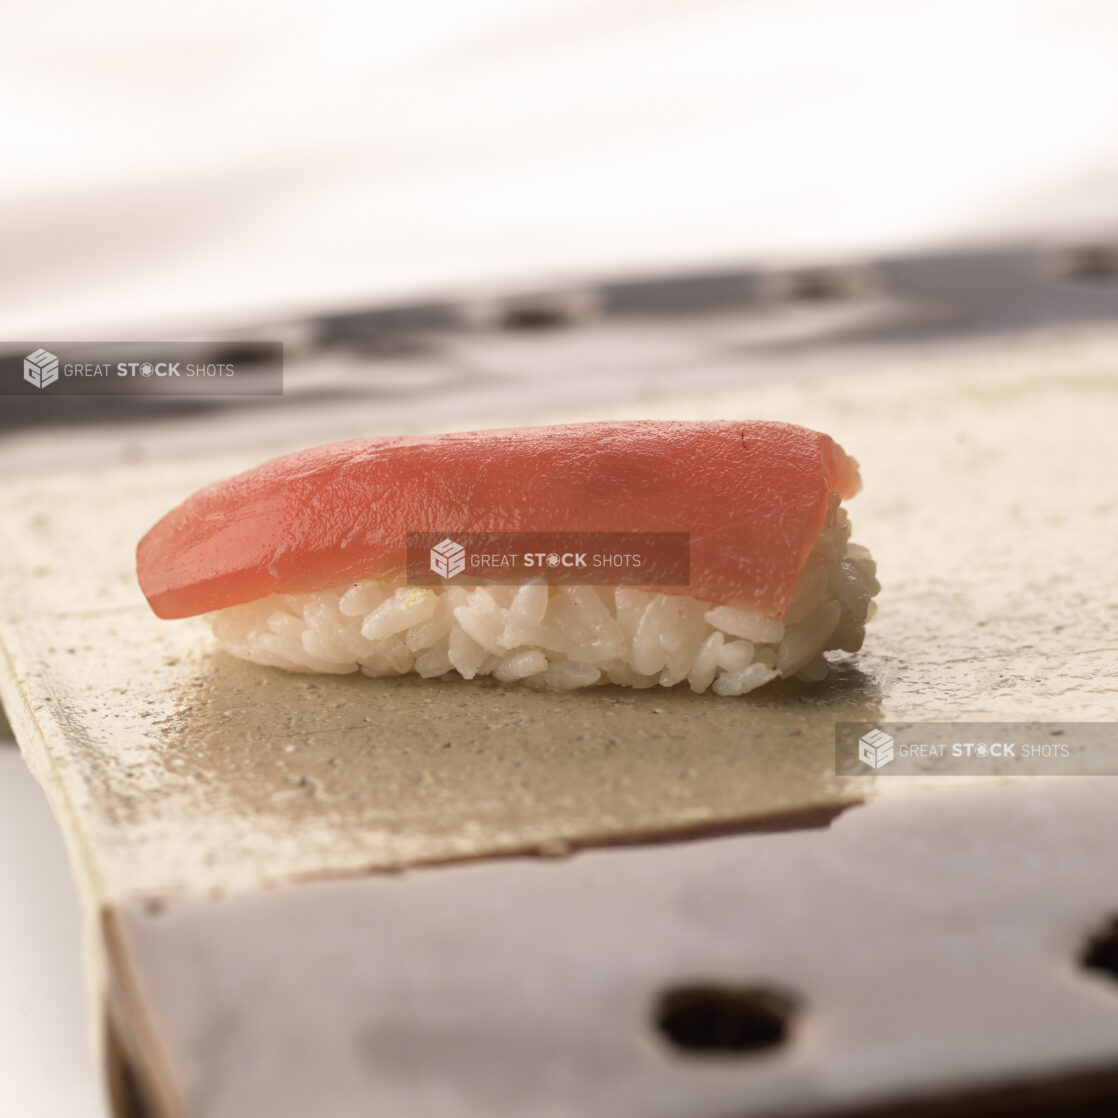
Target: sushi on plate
<point>304,563</point>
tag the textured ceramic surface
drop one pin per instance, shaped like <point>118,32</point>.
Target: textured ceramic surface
<point>990,501</point>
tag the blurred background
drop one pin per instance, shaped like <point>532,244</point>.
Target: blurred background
<point>454,212</point>
<point>238,163</point>
<point>243,170</point>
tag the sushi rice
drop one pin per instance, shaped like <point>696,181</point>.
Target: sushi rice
<point>566,637</point>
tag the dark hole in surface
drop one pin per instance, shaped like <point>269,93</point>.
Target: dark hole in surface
<point>245,354</point>
<point>535,316</point>
<point>1092,262</point>
<point>1101,952</point>
<point>816,285</point>
<point>821,284</point>
<point>713,1018</point>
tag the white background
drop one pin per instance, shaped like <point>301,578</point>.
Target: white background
<point>46,1061</point>
<point>234,160</point>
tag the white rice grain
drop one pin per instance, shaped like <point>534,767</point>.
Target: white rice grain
<point>466,655</point>
<point>567,675</point>
<point>566,637</point>
<point>749,626</point>
<point>520,665</point>
<point>362,598</point>
<point>433,662</point>
<point>735,655</point>
<point>705,665</point>
<point>743,680</point>
<point>405,608</point>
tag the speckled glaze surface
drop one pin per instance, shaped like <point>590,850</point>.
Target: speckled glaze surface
<point>990,502</point>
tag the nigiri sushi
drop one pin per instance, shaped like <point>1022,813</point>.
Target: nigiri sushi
<point>302,563</point>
